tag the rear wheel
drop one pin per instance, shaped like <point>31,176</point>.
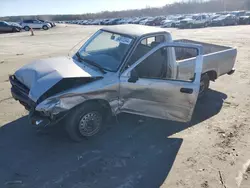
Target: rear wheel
<point>204,85</point>
<point>26,28</point>
<point>84,121</point>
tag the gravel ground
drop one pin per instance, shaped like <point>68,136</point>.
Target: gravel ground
<point>211,151</point>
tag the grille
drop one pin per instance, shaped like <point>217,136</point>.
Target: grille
<point>21,93</point>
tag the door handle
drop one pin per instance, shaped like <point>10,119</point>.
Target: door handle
<point>186,90</point>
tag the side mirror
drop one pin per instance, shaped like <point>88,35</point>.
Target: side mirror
<point>133,76</point>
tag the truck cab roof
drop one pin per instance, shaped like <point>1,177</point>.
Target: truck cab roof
<point>135,31</point>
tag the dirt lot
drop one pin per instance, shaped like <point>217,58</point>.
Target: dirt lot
<point>211,151</point>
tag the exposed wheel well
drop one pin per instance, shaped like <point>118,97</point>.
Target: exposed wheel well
<point>212,75</point>
<point>103,104</point>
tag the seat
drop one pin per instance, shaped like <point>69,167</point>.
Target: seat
<point>154,66</point>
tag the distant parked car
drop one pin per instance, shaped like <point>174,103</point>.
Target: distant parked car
<point>104,21</point>
<point>138,20</point>
<point>172,22</point>
<point>113,21</point>
<point>52,24</point>
<point>34,24</point>
<point>155,21</point>
<point>7,27</point>
<point>169,23</point>
<point>144,21</point>
<point>195,21</point>
<point>238,13</point>
<point>245,19</point>
<point>225,20</point>
<point>15,24</point>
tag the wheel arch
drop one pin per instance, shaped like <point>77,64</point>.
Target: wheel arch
<point>104,104</point>
<point>212,74</point>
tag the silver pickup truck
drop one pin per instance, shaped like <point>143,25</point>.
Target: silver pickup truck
<point>128,68</point>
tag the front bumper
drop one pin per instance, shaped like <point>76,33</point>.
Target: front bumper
<point>231,72</point>
<point>39,120</point>
<point>20,92</point>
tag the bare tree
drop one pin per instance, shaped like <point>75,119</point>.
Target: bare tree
<point>184,7</point>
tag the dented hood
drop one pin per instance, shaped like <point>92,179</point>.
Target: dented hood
<point>39,76</point>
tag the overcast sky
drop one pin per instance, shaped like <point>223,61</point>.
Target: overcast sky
<point>36,7</point>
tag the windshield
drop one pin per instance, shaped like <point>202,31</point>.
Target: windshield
<point>195,17</point>
<point>6,23</point>
<point>106,49</point>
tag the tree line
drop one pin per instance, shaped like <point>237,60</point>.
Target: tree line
<point>191,6</point>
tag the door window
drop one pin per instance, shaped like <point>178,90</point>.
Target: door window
<point>144,47</point>
<point>159,65</point>
<point>154,66</point>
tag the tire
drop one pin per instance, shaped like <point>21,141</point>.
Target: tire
<point>84,121</point>
<point>45,27</point>
<point>204,85</point>
<point>26,28</point>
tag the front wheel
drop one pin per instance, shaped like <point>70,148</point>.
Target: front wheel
<point>204,85</point>
<point>45,27</point>
<point>84,121</point>
<point>26,28</point>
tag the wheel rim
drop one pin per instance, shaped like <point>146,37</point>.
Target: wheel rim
<point>90,124</point>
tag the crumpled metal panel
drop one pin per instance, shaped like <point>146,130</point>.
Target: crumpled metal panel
<point>39,76</point>
<point>105,89</point>
<point>161,98</point>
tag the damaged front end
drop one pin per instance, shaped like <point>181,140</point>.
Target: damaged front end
<point>35,86</point>
<point>20,92</point>
<point>49,110</point>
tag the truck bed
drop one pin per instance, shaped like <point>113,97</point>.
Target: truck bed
<point>217,58</point>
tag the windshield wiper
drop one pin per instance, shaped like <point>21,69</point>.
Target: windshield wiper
<point>90,62</point>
